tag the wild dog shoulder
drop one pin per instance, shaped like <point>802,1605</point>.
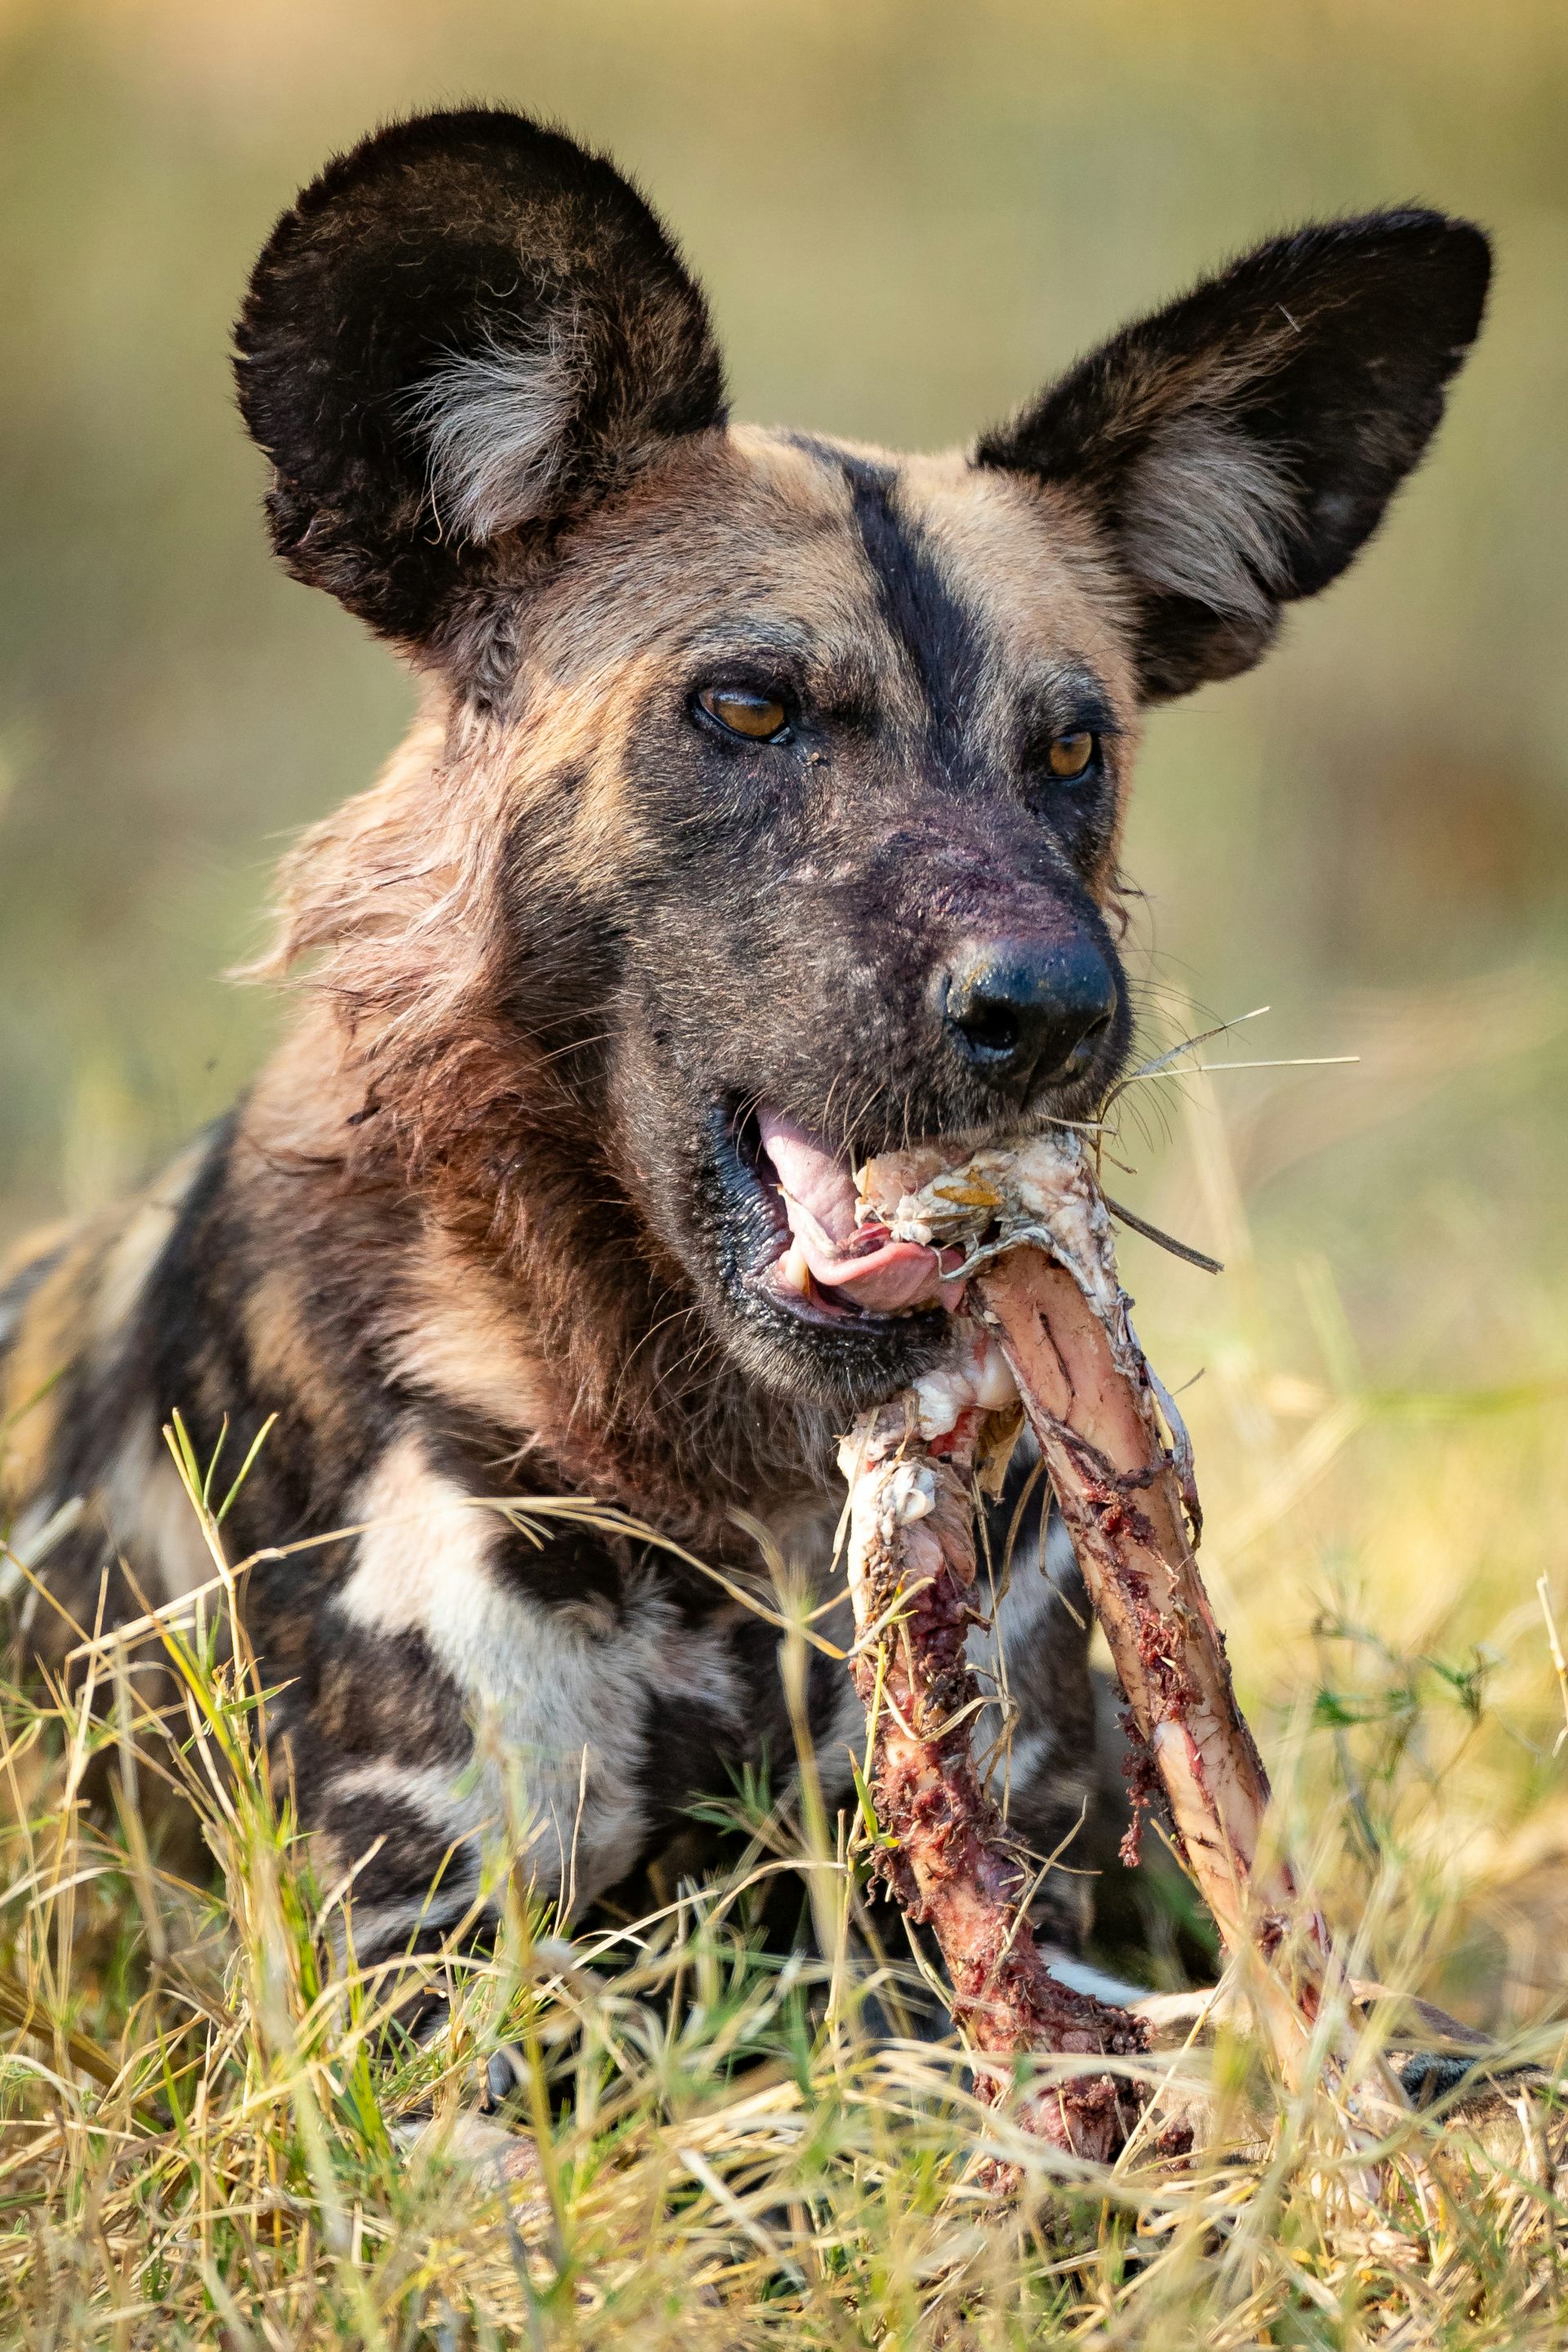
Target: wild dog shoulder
<point>86,1484</point>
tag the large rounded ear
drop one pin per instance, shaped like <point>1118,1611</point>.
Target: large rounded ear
<point>466,327</point>
<point>1238,447</point>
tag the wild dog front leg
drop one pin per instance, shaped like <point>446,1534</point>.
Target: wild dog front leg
<point>944,1851</point>
<point>466,1700</point>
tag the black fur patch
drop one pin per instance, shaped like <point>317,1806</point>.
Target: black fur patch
<point>939,634</point>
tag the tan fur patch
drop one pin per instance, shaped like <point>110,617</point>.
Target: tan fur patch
<point>52,1334</point>
<point>454,1332</point>
<point>79,1312</point>
<point>290,1369</point>
<point>128,1260</point>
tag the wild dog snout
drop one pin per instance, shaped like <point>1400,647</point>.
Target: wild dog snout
<point>1023,1014</point>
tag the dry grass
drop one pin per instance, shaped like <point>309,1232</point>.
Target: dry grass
<point>208,2141</point>
<point>209,2137</point>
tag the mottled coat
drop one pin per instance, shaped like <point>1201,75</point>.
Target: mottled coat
<point>744,761</point>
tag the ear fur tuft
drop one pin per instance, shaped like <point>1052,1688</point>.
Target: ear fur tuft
<point>497,423</point>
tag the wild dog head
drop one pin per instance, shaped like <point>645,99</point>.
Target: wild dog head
<point>786,776</point>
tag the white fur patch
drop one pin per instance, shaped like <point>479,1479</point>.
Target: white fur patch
<point>129,1262</point>
<point>561,1709</point>
<point>39,1528</point>
<point>431,1793</point>
<point>1078,1977</point>
<point>150,1518</point>
<point>1207,514</point>
<point>497,423</point>
<point>425,1789</point>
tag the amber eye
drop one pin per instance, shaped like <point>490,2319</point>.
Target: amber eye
<point>1069,756</point>
<point>758,716</point>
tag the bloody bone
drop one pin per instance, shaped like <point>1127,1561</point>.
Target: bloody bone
<point>912,1570</point>
<point>1117,1489</point>
<point>1040,1271</point>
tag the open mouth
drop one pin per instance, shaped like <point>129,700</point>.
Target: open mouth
<point>820,1257</point>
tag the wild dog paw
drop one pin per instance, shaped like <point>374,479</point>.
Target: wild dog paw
<point>468,2137</point>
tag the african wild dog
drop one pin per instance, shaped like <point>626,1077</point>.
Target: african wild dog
<point>763,810</point>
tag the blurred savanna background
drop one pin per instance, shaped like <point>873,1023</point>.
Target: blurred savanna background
<point>909,213</point>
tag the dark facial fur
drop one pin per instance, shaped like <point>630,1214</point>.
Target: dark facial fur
<point>495,1218</point>
<point>908,814</point>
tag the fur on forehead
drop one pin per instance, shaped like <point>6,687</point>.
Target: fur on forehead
<point>740,533</point>
<point>749,540</point>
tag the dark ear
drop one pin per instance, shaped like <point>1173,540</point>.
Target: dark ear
<point>467,327</point>
<point>1240,446</point>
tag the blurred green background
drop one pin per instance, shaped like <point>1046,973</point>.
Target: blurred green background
<point>908,216</point>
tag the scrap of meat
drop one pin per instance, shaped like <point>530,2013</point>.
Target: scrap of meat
<point>1023,1238</point>
<point>940,1842</point>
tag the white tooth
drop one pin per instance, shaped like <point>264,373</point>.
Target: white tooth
<point>804,1225</point>
<point>794,1273</point>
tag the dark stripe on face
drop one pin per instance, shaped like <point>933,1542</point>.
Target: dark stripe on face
<point>935,627</point>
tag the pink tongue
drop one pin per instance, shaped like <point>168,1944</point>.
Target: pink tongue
<point>819,1201</point>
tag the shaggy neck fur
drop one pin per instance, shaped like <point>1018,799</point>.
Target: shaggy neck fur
<point>444,1103</point>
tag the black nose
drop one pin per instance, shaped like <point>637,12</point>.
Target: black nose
<point>1024,1014</point>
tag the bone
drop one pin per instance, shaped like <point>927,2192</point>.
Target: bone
<point>942,1844</point>
<point>1043,1289</point>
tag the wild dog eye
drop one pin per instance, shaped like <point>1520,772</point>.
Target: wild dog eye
<point>758,716</point>
<point>1070,756</point>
